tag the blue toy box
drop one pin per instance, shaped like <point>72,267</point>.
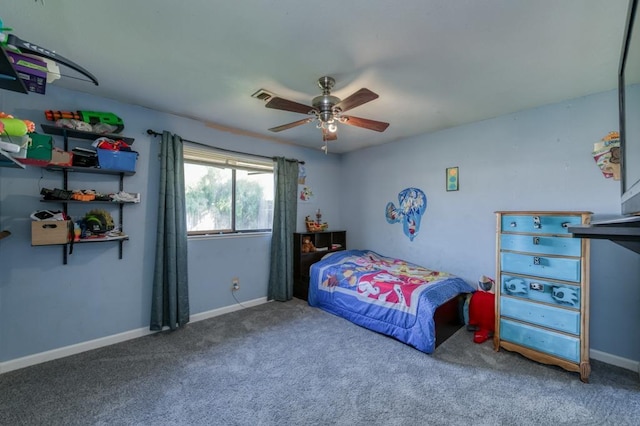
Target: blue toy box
<point>117,160</point>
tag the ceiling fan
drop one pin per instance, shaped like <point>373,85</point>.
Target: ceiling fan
<point>328,110</point>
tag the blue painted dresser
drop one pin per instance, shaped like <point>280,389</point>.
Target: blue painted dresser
<point>542,291</point>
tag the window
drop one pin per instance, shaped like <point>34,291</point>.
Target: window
<point>226,193</point>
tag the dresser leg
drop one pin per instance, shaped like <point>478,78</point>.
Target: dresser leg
<point>496,343</point>
<point>585,371</point>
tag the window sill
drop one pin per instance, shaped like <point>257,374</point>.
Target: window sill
<point>229,235</point>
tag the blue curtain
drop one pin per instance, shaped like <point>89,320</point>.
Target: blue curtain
<point>284,225</point>
<point>170,302</point>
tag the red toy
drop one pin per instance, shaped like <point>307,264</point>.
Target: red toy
<point>482,315</point>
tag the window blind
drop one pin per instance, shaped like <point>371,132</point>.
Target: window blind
<point>207,156</point>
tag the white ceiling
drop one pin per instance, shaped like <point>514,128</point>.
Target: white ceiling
<point>434,63</point>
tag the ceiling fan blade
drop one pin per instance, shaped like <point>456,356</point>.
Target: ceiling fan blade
<point>291,125</point>
<point>329,136</point>
<point>286,105</point>
<point>378,126</point>
<point>360,97</point>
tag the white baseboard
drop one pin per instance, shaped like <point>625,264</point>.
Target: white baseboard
<point>77,348</point>
<point>616,360</point>
<point>227,309</point>
<point>18,363</point>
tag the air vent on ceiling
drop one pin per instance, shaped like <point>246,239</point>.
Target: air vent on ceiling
<point>263,95</point>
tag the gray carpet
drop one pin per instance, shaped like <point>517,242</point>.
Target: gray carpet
<point>289,364</point>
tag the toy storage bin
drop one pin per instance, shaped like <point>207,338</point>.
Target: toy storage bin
<point>48,232</point>
<point>117,160</point>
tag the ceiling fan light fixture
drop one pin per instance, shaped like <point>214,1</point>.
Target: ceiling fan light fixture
<point>326,110</point>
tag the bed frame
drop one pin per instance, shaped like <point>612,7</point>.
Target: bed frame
<point>449,318</point>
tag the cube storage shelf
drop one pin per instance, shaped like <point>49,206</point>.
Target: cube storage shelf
<point>332,240</point>
<point>88,136</point>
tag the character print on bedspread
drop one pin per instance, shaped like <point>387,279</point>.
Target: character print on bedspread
<point>388,288</point>
<point>341,274</point>
<point>391,281</point>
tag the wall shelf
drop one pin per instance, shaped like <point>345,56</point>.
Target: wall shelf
<point>79,134</point>
<point>7,160</point>
<point>9,79</point>
<point>72,169</point>
<point>101,239</point>
<point>89,136</point>
<point>86,202</point>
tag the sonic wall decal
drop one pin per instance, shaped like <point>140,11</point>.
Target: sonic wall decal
<point>412,203</point>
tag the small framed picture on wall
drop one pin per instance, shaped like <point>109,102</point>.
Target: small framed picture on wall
<point>453,179</point>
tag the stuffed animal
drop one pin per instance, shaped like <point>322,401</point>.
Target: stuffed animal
<point>307,245</point>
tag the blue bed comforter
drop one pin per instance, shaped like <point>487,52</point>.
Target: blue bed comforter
<point>387,295</point>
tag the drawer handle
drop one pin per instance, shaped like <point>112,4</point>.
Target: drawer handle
<point>536,222</point>
<point>536,241</point>
<point>565,224</point>
<point>513,224</point>
<point>536,286</point>
<point>536,260</point>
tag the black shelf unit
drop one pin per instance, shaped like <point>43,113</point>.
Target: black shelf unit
<point>303,261</point>
<point>88,136</point>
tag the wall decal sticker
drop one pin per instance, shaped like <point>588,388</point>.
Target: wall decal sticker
<point>302,175</point>
<point>412,203</point>
<point>306,194</point>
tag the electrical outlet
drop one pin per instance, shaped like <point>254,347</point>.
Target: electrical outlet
<point>235,283</point>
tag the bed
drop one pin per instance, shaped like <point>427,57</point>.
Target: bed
<point>391,296</point>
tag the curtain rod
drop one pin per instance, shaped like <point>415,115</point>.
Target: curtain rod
<point>154,134</point>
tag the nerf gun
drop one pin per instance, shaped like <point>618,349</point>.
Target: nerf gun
<point>91,117</point>
<point>25,46</point>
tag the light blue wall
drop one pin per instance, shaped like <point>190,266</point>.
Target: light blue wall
<point>46,305</point>
<point>534,160</point>
<point>538,159</point>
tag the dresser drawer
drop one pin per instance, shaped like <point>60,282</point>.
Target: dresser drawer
<point>536,313</point>
<point>541,291</point>
<point>538,224</point>
<point>557,344</point>
<point>560,268</point>
<point>541,244</point>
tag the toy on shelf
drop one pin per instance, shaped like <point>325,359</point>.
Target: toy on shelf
<point>307,245</point>
<point>16,43</point>
<point>315,226</point>
<point>12,126</point>
<point>14,133</point>
<point>96,121</point>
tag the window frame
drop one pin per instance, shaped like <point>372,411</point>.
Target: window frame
<point>207,156</point>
